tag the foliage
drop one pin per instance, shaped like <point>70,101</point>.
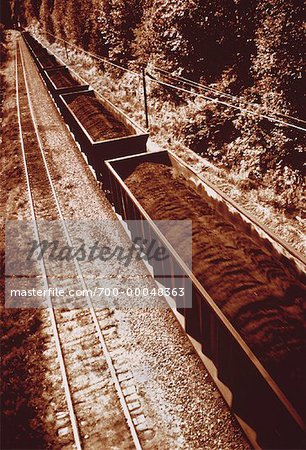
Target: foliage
<point>250,49</point>
<point>45,16</point>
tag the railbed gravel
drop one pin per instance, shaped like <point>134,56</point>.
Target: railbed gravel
<point>182,404</point>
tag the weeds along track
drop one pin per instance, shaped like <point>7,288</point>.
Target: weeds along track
<point>100,409</point>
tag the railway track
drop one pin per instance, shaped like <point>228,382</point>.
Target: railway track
<point>100,409</point>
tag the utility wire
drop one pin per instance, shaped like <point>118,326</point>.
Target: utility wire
<point>93,55</point>
<point>217,92</point>
<point>206,97</point>
<point>192,83</point>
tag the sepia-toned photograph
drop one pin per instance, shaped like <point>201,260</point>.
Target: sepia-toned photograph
<point>153,225</point>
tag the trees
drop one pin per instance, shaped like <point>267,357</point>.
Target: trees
<point>5,13</point>
<point>201,39</point>
<point>116,23</point>
<point>278,66</point>
<point>45,18</point>
<point>252,49</point>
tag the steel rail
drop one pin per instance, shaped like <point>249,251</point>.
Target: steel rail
<point>60,356</point>
<point>83,282</point>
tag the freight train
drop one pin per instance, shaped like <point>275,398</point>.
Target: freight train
<point>248,287</point>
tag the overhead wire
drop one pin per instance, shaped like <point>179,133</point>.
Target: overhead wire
<point>206,97</point>
<point>224,94</point>
<point>193,84</point>
<point>93,55</point>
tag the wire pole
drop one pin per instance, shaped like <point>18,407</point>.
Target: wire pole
<point>145,97</point>
<point>66,51</point>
